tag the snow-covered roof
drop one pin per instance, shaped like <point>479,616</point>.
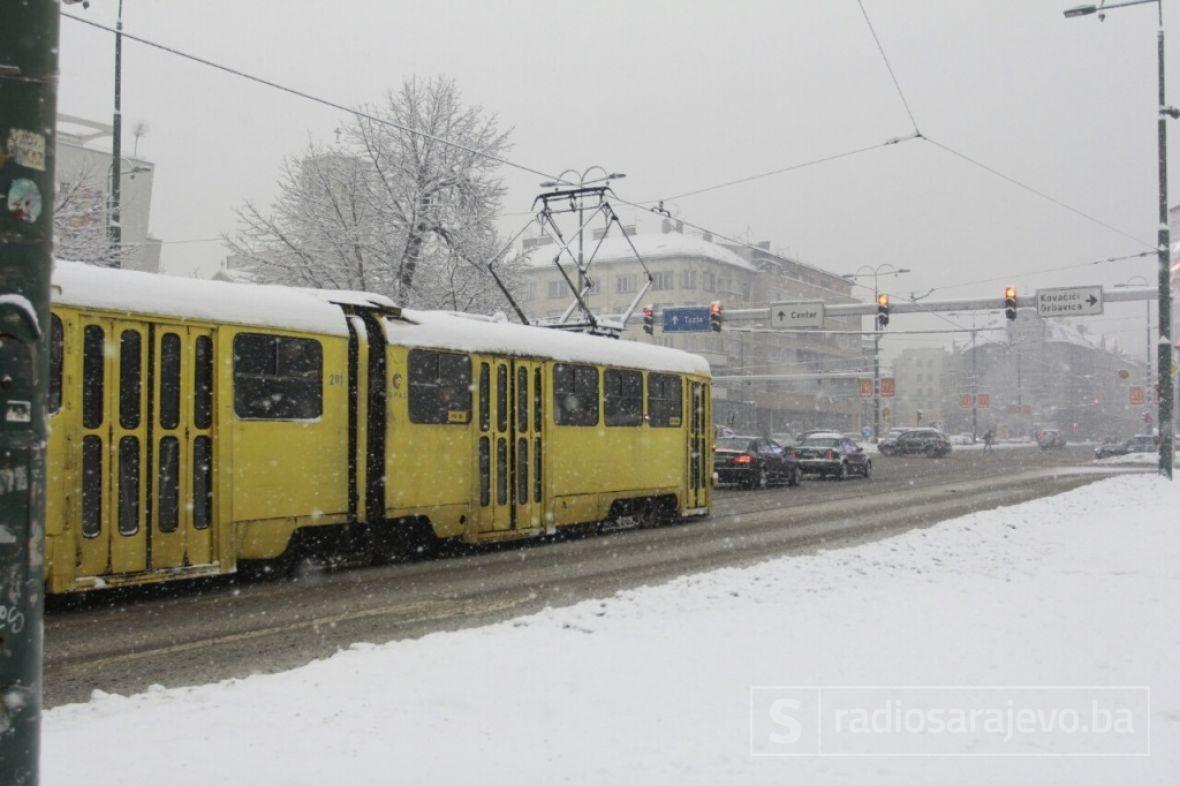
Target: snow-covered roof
<point>651,246</point>
<point>133,292</point>
<point>314,310</point>
<point>468,333</point>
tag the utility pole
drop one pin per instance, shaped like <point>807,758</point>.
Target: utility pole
<point>974,387</point>
<point>114,218</point>
<point>1164,360</point>
<point>28,112</point>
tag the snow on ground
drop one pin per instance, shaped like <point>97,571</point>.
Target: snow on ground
<point>1131,458</point>
<point>653,685</point>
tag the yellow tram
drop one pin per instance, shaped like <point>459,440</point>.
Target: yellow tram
<point>195,424</point>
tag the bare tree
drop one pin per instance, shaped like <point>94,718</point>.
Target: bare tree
<point>387,210</point>
<point>80,220</point>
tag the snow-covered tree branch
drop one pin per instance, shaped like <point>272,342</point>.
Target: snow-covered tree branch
<point>389,211</point>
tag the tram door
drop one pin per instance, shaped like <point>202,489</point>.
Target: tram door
<point>509,445</point>
<point>113,447</point>
<point>181,457</point>
<point>699,470</point>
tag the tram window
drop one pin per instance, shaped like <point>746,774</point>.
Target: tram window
<point>202,482</point>
<point>575,395</point>
<point>664,400</point>
<point>128,485</point>
<point>91,486</point>
<point>622,394</point>
<point>55,357</point>
<point>93,364</point>
<point>277,377</point>
<point>501,398</point>
<point>502,471</point>
<point>130,378</point>
<point>537,420</point>
<point>440,387</point>
<point>537,469</point>
<point>169,484</point>
<point>485,471</point>
<point>169,380</point>
<point>485,381</point>
<point>522,471</point>
<point>203,382</point>
<point>522,399</point>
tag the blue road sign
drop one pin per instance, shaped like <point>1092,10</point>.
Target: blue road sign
<point>690,319</point>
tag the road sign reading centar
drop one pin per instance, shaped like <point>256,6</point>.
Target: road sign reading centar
<point>799,314</point>
<point>1069,302</point>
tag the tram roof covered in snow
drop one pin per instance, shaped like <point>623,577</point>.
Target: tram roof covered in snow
<point>318,311</point>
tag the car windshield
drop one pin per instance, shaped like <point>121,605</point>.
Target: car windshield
<point>733,443</point>
<point>821,442</point>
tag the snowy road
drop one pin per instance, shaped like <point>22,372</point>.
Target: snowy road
<point>220,629</point>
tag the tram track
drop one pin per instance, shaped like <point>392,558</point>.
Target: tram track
<point>232,630</point>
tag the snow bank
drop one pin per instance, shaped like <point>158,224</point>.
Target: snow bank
<point>653,685</point>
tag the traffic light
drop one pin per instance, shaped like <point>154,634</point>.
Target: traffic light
<point>1010,302</point>
<point>882,310</point>
<point>649,320</point>
<point>715,316</point>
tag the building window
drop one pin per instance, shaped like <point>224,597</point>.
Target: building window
<point>663,280</point>
<point>622,395</point>
<point>708,282</point>
<point>277,378</point>
<point>575,395</point>
<point>440,387</point>
<point>556,288</point>
<point>625,284</point>
<point>688,279</point>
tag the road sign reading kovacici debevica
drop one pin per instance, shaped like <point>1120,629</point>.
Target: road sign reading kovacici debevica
<point>686,320</point>
<point>799,314</point>
<point>1069,302</point>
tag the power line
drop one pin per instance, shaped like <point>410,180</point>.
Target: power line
<point>1028,273</point>
<point>1037,192</point>
<point>784,170</point>
<point>312,98</point>
<point>889,67</point>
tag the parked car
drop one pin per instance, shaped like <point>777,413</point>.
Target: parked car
<point>1140,443</point>
<point>920,442</point>
<point>962,439</point>
<point>1050,438</point>
<point>834,454</point>
<point>888,442</point>
<point>755,462</point>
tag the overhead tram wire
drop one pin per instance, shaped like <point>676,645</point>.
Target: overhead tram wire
<point>784,170</point>
<point>889,67</point>
<point>1037,192</point>
<point>310,97</point>
<point>1043,271</point>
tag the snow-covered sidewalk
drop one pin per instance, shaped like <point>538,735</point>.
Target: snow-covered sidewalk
<point>654,685</point>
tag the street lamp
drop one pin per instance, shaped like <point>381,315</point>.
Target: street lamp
<point>1147,371</point>
<point>1164,242</point>
<point>582,183</point>
<point>876,272</point>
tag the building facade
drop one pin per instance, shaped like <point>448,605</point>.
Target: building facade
<point>83,171</point>
<point>764,382</point>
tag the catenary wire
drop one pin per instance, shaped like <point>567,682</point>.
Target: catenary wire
<point>313,98</point>
<point>889,67</point>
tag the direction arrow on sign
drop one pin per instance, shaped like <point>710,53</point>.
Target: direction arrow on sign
<point>693,319</point>
<point>1069,302</point>
<point>800,314</point>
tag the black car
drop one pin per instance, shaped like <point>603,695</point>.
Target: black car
<point>888,442</point>
<point>1142,443</point>
<point>919,442</point>
<point>833,454</point>
<point>754,462</point>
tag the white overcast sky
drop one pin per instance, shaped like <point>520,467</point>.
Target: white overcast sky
<point>682,95</point>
